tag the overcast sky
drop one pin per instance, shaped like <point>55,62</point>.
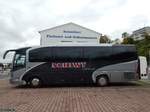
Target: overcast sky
<point>20,20</point>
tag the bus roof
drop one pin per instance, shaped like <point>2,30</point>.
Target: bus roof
<point>83,45</point>
<point>75,45</point>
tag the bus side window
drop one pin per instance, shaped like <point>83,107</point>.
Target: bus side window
<point>97,52</point>
<point>124,53</point>
<point>67,53</point>
<point>40,55</point>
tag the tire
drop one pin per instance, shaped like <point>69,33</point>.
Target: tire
<point>102,81</point>
<point>35,82</point>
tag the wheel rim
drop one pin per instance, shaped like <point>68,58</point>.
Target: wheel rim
<point>35,82</point>
<point>102,81</point>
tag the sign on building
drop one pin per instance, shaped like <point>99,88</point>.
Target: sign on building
<point>68,33</point>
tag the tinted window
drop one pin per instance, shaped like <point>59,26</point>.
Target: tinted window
<point>97,52</point>
<point>40,55</point>
<point>66,53</point>
<point>124,53</point>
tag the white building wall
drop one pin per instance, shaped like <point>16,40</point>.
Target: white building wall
<point>68,33</point>
<point>139,34</point>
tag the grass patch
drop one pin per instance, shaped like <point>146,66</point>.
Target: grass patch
<point>142,82</point>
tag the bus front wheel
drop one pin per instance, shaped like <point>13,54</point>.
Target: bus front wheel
<point>102,81</point>
<point>35,82</point>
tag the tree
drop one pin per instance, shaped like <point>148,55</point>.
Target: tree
<point>143,46</point>
<point>104,39</point>
<point>128,40</point>
<point>147,36</point>
<point>125,35</point>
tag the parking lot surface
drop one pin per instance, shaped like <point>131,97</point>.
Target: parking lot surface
<point>126,98</point>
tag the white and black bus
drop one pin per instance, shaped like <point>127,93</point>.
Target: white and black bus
<point>100,64</point>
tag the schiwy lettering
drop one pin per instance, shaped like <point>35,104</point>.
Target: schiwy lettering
<point>69,65</point>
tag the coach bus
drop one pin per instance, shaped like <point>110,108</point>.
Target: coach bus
<point>99,64</point>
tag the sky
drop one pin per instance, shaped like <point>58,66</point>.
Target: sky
<point>20,20</point>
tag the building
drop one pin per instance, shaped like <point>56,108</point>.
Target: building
<point>139,34</point>
<point>68,33</point>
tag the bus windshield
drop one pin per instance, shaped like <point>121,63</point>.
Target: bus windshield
<point>19,60</point>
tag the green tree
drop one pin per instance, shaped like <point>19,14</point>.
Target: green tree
<point>104,39</point>
<point>147,36</point>
<point>125,34</point>
<point>128,40</point>
<point>143,46</point>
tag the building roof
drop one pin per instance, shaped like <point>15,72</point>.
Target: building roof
<point>68,24</point>
<point>144,29</point>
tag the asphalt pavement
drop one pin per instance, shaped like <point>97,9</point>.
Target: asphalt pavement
<point>5,74</point>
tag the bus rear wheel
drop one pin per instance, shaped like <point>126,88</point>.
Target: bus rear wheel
<point>102,81</point>
<point>35,82</point>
